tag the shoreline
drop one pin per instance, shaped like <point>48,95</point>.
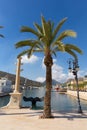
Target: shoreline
<point>4,94</point>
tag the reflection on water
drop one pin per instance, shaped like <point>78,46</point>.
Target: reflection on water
<point>4,100</point>
<point>35,92</point>
<point>59,102</point>
<point>63,102</point>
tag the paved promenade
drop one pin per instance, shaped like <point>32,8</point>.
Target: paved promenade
<point>25,119</point>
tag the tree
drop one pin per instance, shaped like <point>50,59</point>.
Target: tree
<point>1,34</point>
<point>49,42</point>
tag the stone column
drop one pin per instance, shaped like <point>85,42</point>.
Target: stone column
<point>15,100</point>
<point>17,81</point>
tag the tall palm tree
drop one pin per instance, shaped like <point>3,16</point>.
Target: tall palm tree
<point>49,42</point>
<point>1,34</point>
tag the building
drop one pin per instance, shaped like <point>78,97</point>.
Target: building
<point>82,81</point>
<point>5,85</point>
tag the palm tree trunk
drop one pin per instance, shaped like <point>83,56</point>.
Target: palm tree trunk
<point>47,100</point>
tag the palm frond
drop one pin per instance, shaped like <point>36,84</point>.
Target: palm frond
<point>28,29</point>
<point>44,40</point>
<point>54,53</point>
<point>67,33</point>
<point>1,26</point>
<point>71,53</point>
<point>47,39</point>
<point>59,45</point>
<point>38,50</point>
<point>26,43</point>
<point>56,30</point>
<point>47,31</point>
<point>73,47</point>
<point>44,25</point>
<point>1,35</point>
<point>39,28</point>
<point>52,26</point>
<point>30,52</point>
<point>54,50</point>
<point>22,53</point>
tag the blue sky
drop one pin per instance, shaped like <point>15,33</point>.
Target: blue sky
<point>16,13</point>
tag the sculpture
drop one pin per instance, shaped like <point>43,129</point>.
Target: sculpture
<point>33,100</point>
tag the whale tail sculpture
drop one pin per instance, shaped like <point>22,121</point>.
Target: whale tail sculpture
<point>33,100</point>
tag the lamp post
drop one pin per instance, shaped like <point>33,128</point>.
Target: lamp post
<point>74,68</point>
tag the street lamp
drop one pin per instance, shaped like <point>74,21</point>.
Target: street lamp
<point>74,68</point>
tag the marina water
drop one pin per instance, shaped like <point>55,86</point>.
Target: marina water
<point>59,102</point>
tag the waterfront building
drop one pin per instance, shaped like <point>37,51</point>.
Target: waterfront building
<point>5,85</point>
<point>82,81</point>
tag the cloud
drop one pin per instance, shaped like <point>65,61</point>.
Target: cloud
<point>43,65</point>
<point>70,76</point>
<point>31,60</point>
<point>82,73</point>
<point>40,79</point>
<point>58,74</point>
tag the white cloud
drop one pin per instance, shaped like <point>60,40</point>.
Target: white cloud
<point>40,79</point>
<point>43,65</point>
<point>31,60</point>
<point>70,76</point>
<point>81,73</point>
<point>58,74</point>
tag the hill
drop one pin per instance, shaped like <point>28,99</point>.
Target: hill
<point>22,79</point>
<point>54,82</point>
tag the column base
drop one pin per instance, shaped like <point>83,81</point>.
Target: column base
<point>15,101</point>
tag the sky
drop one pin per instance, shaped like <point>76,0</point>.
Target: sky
<point>16,13</point>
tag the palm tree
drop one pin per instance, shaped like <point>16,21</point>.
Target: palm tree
<point>1,34</point>
<point>49,42</point>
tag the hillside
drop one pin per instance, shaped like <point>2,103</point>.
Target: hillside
<point>22,79</point>
<point>54,82</point>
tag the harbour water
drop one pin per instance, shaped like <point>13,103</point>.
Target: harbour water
<point>59,102</point>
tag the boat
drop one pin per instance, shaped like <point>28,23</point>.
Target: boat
<point>60,89</point>
<point>57,87</point>
<point>5,86</point>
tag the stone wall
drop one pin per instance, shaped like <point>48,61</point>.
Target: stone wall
<point>83,95</point>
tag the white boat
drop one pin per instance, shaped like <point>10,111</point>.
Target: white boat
<point>5,85</point>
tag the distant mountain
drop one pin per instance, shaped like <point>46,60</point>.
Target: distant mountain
<point>54,82</point>
<point>22,79</point>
